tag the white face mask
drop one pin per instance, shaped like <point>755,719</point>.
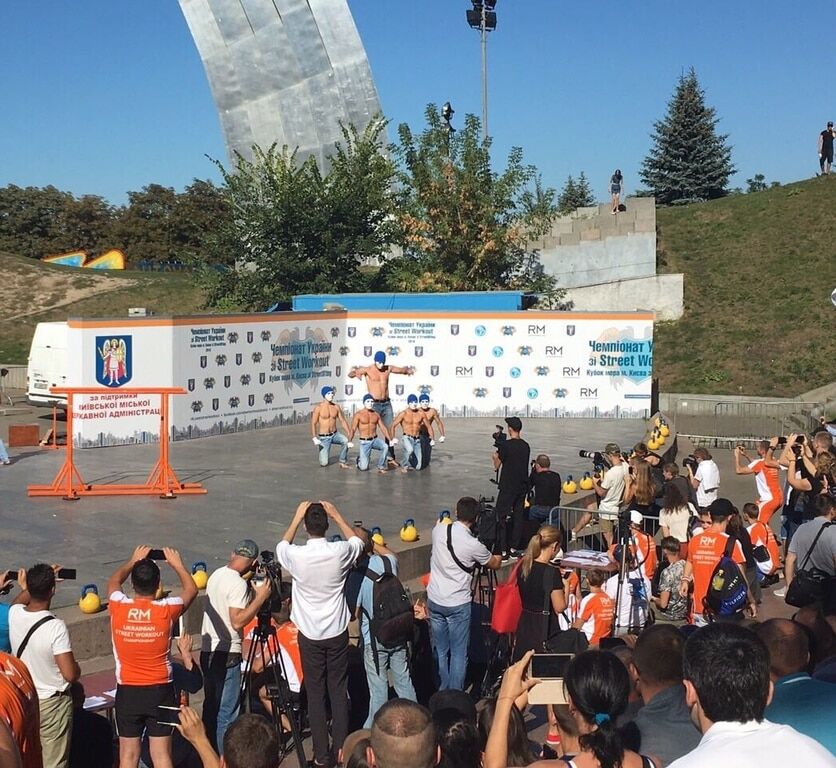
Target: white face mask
<point>425,406</point>
<point>413,406</point>
<point>329,397</point>
<point>369,404</point>
<point>379,366</point>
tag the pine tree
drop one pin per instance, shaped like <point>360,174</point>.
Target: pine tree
<point>689,160</point>
<point>575,194</point>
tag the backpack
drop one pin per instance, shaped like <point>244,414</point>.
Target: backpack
<point>391,623</point>
<point>727,589</point>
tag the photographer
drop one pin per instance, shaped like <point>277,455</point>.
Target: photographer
<point>610,489</point>
<point>706,479</point>
<point>765,469</point>
<point>511,461</point>
<point>7,581</point>
<point>140,629</point>
<point>320,612</point>
<point>230,606</point>
<point>545,489</point>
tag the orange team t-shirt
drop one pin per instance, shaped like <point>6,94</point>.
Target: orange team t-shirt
<point>596,611</point>
<point>20,710</point>
<point>141,631</point>
<point>286,637</point>
<point>646,554</point>
<point>767,481</point>
<point>570,586</point>
<point>762,535</point>
<point>704,552</point>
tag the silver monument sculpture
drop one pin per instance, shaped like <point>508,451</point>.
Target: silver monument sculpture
<point>283,71</point>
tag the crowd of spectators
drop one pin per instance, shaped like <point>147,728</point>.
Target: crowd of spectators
<point>660,673</point>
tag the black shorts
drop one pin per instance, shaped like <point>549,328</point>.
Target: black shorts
<point>137,710</point>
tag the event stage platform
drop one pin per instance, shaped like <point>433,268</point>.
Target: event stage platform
<point>254,482</point>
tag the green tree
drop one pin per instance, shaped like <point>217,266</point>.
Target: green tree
<point>32,220</point>
<point>146,227</point>
<point>296,230</point>
<point>464,226</point>
<point>575,194</point>
<point>757,183</point>
<point>689,160</point>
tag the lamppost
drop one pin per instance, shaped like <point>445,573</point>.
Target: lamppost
<point>447,113</point>
<point>483,17</point>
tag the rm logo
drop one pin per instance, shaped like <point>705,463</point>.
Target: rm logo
<point>554,351</point>
<point>587,392</point>
<point>464,371</point>
<point>536,330</point>
<point>571,373</point>
<point>138,614</point>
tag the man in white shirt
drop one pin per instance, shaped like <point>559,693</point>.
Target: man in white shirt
<point>610,489</point>
<point>727,688</point>
<point>320,612</point>
<point>42,642</point>
<point>231,604</point>
<point>706,480</point>
<point>456,553</point>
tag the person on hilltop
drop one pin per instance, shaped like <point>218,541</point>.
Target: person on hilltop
<point>616,184</point>
<point>826,148</point>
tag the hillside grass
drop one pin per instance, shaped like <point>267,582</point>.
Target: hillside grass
<point>759,269</point>
<point>30,291</point>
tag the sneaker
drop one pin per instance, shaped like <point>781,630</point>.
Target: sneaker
<point>780,592</point>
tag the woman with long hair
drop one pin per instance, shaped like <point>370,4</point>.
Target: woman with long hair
<point>675,513</point>
<point>641,488</point>
<point>541,590</point>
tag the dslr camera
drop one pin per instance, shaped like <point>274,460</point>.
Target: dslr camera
<point>600,461</point>
<point>691,462</point>
<point>499,436</point>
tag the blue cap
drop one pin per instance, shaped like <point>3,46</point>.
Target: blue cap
<point>367,397</point>
<point>326,390</point>
<point>380,356</point>
<point>412,399</point>
<point>423,398</point>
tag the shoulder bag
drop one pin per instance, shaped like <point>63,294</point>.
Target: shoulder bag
<point>811,586</point>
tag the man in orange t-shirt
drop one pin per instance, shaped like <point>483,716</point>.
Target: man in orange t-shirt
<point>19,709</point>
<point>765,469</point>
<point>141,629</point>
<point>705,550</point>
<point>595,613</point>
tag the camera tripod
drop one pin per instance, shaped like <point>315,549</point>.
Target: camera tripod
<point>626,564</point>
<point>278,691</point>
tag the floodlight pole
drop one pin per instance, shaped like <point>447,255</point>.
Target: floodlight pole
<point>484,33</point>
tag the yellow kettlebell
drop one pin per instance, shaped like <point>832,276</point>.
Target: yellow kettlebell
<point>664,430</point>
<point>444,518</point>
<point>409,532</point>
<point>570,486</point>
<point>658,422</point>
<point>586,483</point>
<point>377,537</point>
<point>660,439</point>
<point>199,575</point>
<point>90,601</point>
<point>653,443</point>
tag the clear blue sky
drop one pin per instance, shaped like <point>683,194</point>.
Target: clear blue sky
<point>106,96</point>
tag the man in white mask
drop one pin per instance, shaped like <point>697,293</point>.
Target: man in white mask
<point>367,421</point>
<point>412,421</point>
<point>324,418</point>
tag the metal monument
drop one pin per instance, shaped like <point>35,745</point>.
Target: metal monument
<point>283,71</point>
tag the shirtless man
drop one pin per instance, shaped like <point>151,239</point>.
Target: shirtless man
<point>377,381</point>
<point>412,421</point>
<point>368,421</point>
<point>324,418</point>
<point>434,418</point>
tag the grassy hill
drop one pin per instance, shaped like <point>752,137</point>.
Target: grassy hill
<point>32,292</point>
<point>759,270</point>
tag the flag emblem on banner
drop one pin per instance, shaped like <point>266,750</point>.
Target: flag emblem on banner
<point>506,391</point>
<point>209,383</point>
<point>515,373</point>
<point>489,371</point>
<point>239,358</point>
<point>215,403</point>
<point>532,394</point>
<point>234,402</point>
<point>232,337</point>
<point>339,370</point>
<point>249,337</point>
<point>197,406</point>
<point>265,335</point>
<point>377,331</point>
<point>433,370</point>
<point>561,392</point>
<point>481,330</point>
<point>227,381</point>
<point>454,330</point>
<point>471,350</point>
<point>352,331</point>
<point>541,370</point>
<point>262,377</point>
<point>256,357</point>
<point>480,392</point>
<point>220,359</point>
<point>419,351</point>
<point>398,389</point>
<point>508,330</point>
<point>251,400</point>
<point>335,332</point>
<point>349,389</point>
<point>268,397</point>
<point>245,379</point>
<point>367,351</point>
<point>190,385</point>
<point>497,351</point>
<point>570,330</point>
<point>525,351</point>
<point>203,361</point>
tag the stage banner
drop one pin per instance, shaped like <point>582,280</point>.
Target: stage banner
<point>555,364</point>
<point>116,356</point>
<point>245,372</point>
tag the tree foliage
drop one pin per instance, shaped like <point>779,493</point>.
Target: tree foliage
<point>296,230</point>
<point>575,194</point>
<point>465,226</point>
<point>689,160</point>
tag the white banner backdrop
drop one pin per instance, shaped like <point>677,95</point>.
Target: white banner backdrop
<point>251,371</point>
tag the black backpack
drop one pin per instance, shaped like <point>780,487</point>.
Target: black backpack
<point>727,590</point>
<point>391,624</point>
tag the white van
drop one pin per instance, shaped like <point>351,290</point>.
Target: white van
<point>47,364</point>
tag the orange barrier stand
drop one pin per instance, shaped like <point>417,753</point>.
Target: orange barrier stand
<point>162,480</point>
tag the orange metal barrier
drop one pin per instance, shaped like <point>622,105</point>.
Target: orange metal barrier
<point>162,480</point>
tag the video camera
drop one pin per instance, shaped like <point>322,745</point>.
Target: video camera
<point>690,462</point>
<point>600,461</point>
<point>499,436</point>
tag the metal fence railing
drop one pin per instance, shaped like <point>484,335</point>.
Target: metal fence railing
<point>724,420</point>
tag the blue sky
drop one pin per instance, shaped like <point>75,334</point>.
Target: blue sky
<point>106,96</point>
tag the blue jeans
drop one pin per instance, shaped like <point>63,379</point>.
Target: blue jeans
<point>4,454</point>
<point>450,636</point>
<point>338,438</point>
<point>393,661</point>
<point>384,410</point>
<point>366,448</point>
<point>411,445</point>
<point>221,686</point>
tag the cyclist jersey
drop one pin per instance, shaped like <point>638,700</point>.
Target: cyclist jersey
<point>766,480</point>
<point>596,610</point>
